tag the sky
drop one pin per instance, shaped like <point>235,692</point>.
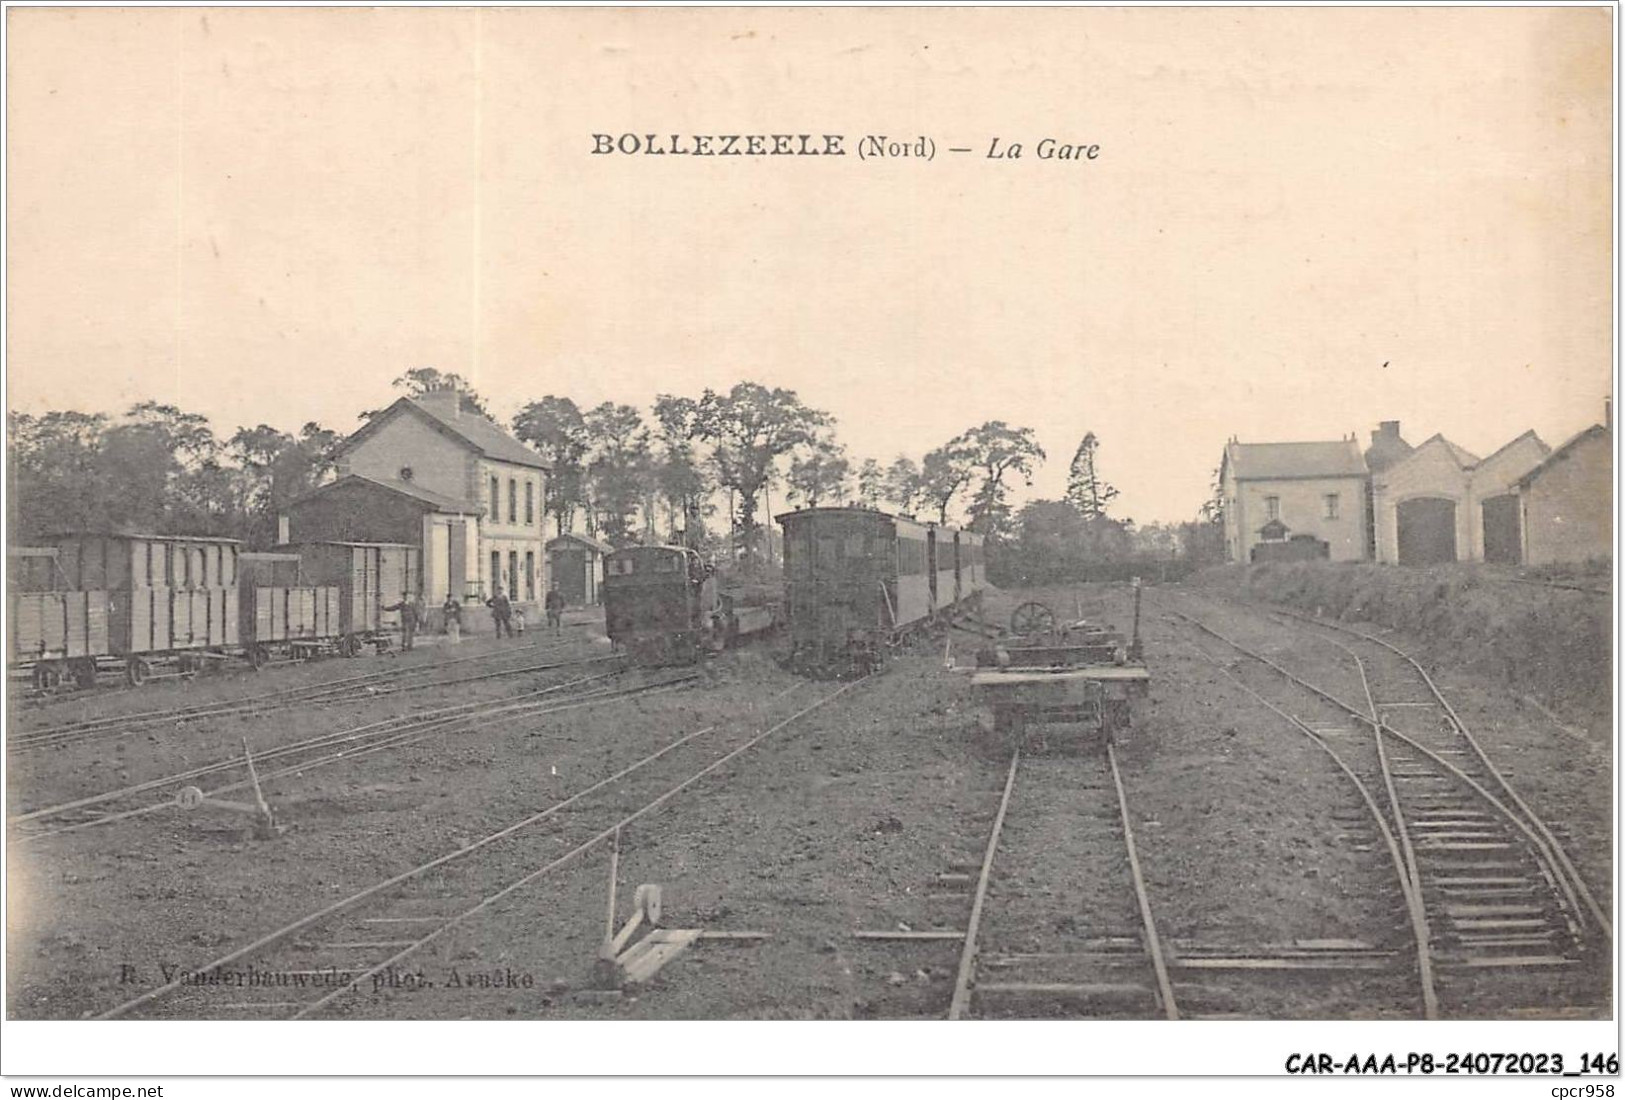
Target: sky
<point>1299,222</point>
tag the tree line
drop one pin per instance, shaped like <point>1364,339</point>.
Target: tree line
<point>156,468</point>
<point>619,473</point>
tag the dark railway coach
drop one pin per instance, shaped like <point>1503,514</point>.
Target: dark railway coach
<point>859,581</point>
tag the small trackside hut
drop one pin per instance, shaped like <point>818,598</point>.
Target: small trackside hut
<point>859,581</point>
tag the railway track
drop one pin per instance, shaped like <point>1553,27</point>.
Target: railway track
<point>348,689</point>
<point>37,701</point>
<point>1103,958</point>
<point>329,961</point>
<point>165,793</point>
<point>1042,938</point>
<point>1500,921</point>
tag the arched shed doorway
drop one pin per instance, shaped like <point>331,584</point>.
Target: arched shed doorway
<point>1427,531</point>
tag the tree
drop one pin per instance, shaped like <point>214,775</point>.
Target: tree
<point>555,427</point>
<point>902,485</point>
<point>749,427</point>
<point>997,450</point>
<point>1203,539</point>
<point>137,471</point>
<point>256,452</point>
<point>616,468</point>
<point>679,474</point>
<point>54,473</point>
<point>819,472</point>
<point>420,380</point>
<point>181,470</point>
<point>943,473</point>
<point>274,469</point>
<point>1084,486</point>
<point>871,483</point>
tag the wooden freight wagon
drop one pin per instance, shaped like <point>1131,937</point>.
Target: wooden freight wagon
<point>279,614</point>
<point>57,635</point>
<point>166,597</point>
<point>369,576</point>
<point>33,569</point>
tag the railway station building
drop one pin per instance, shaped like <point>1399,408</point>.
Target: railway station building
<point>1277,492</point>
<point>453,482</point>
<point>1441,503</point>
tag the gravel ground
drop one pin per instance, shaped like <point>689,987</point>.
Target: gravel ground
<point>843,820</point>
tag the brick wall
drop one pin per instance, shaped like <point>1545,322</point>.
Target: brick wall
<point>1568,510</point>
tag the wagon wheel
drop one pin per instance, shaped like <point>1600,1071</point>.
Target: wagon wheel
<point>47,677</point>
<point>136,671</point>
<point>259,656</point>
<point>350,646</point>
<point>1032,618</point>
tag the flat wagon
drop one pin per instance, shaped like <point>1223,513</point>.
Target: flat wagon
<point>1083,674</point>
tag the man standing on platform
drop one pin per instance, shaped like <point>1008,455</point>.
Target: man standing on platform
<point>502,612</point>
<point>408,607</point>
<point>554,606</point>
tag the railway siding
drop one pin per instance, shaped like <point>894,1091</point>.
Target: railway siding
<point>1272,894</point>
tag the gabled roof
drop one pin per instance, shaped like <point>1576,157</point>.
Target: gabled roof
<point>433,502</point>
<point>1464,458</point>
<point>585,540</point>
<point>1540,444</point>
<point>1278,461</point>
<point>476,432</point>
<point>1596,431</point>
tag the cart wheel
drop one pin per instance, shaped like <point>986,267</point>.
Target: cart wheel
<point>46,676</point>
<point>1032,618</point>
<point>185,664</point>
<point>259,656</point>
<point>136,671</point>
<point>350,646</point>
<point>84,673</point>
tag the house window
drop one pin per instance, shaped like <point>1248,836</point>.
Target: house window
<point>513,501</point>
<point>530,504</point>
<point>513,572</point>
<point>530,569</point>
<point>496,566</point>
<point>496,501</point>
<point>1272,507</point>
<point>1331,505</point>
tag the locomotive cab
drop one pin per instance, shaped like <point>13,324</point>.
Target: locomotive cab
<point>660,604</point>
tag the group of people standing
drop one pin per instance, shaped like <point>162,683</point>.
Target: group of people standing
<point>508,616</point>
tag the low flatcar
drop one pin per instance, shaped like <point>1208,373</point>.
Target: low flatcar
<point>859,581</point>
<point>663,605</point>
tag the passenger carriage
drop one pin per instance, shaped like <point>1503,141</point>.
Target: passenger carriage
<point>859,581</point>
